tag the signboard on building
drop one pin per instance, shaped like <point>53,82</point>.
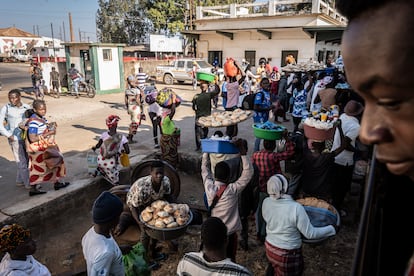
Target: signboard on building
<point>162,43</point>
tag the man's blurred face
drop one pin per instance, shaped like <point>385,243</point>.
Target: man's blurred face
<point>371,57</point>
<point>204,86</point>
<point>15,99</point>
<point>157,174</point>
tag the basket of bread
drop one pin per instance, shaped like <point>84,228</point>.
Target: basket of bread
<point>321,213</point>
<point>226,118</point>
<point>166,221</point>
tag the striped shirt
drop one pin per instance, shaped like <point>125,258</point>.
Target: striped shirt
<point>193,263</point>
<point>37,126</point>
<point>141,79</point>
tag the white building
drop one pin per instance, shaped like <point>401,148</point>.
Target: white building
<point>308,29</point>
<point>46,49</point>
<point>18,43</point>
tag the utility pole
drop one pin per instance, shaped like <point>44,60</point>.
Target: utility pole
<point>53,43</point>
<point>72,35</point>
<point>64,31</point>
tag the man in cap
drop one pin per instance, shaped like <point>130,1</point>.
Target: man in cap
<point>100,250</point>
<point>19,247</point>
<point>344,161</point>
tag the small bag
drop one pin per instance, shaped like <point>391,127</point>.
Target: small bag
<point>52,157</point>
<point>134,261</point>
<point>216,198</point>
<point>92,161</point>
<point>124,160</point>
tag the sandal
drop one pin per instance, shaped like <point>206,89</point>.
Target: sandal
<point>154,266</point>
<point>36,192</point>
<point>159,256</point>
<point>60,185</point>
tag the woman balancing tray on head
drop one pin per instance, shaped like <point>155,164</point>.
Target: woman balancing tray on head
<point>226,118</point>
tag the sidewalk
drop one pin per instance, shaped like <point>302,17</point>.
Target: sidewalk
<point>80,123</point>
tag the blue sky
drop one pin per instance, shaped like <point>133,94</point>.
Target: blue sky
<point>34,15</point>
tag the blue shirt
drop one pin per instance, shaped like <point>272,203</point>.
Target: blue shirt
<point>299,103</point>
<point>262,99</point>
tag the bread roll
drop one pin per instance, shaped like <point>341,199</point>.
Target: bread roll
<point>243,117</point>
<point>149,209</point>
<point>169,208</point>
<point>159,204</point>
<point>181,220</point>
<point>177,213</point>
<point>163,214</point>
<point>168,220</point>
<point>159,224</point>
<point>146,216</point>
<point>172,225</point>
<point>226,122</point>
<point>183,207</point>
<point>152,222</point>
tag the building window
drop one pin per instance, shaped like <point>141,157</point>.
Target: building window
<point>107,54</point>
<point>250,57</point>
<point>215,58</point>
<point>290,53</point>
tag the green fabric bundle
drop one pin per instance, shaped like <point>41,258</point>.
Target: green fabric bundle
<point>135,263</point>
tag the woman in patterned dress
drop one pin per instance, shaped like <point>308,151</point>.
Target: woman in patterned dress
<point>40,138</point>
<point>111,145</point>
<point>170,138</point>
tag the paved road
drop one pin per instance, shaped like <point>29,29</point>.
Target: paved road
<point>80,123</point>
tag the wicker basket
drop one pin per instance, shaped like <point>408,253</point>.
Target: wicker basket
<point>318,134</point>
<point>321,213</point>
<point>166,234</point>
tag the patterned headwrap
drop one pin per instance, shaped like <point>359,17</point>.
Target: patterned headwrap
<point>277,186</point>
<point>12,236</point>
<point>112,120</point>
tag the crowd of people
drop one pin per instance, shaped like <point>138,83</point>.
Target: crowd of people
<point>381,117</point>
<point>216,172</point>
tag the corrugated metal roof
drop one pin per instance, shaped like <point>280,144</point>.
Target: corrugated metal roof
<point>14,32</point>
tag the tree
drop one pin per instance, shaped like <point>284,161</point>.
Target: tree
<point>131,22</point>
<point>122,21</point>
<point>168,16</point>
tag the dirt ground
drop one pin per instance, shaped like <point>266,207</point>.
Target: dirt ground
<point>333,256</point>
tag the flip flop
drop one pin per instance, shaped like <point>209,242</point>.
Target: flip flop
<point>154,266</point>
<point>160,257</point>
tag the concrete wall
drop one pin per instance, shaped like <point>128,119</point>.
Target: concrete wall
<point>108,70</point>
<point>282,40</point>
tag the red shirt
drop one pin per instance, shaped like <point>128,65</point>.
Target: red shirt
<point>268,163</point>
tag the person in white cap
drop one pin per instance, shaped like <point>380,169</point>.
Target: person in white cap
<point>286,222</point>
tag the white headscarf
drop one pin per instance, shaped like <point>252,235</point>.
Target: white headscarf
<point>277,186</point>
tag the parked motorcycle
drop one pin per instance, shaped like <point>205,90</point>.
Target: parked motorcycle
<point>86,87</point>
